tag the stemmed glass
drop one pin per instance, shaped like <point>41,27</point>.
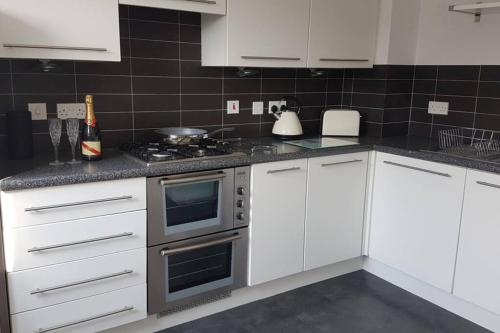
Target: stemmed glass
<point>55,127</point>
<point>72,128</point>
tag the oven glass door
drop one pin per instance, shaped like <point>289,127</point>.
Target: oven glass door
<point>198,271</point>
<point>197,204</point>
<point>192,206</point>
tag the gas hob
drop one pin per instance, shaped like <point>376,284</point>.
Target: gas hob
<point>157,152</point>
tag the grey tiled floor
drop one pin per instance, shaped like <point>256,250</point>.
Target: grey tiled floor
<point>355,303</point>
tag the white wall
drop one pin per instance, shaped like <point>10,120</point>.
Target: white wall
<point>397,32</point>
<point>447,38</point>
<point>424,32</point>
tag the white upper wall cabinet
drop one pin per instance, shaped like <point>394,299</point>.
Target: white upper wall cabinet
<point>60,29</point>
<point>343,33</point>
<point>257,33</point>
<point>200,6</point>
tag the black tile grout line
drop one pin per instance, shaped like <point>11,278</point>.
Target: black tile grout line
<point>180,67</point>
<point>76,82</point>
<point>12,86</point>
<point>131,77</point>
<point>477,98</point>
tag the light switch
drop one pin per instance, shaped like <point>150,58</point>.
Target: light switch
<point>258,108</point>
<point>233,107</point>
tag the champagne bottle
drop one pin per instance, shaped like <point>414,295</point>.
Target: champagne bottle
<point>91,135</point>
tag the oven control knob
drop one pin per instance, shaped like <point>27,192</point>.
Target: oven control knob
<point>240,203</point>
<point>240,216</point>
<point>240,190</point>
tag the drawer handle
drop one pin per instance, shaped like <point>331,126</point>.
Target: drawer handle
<point>344,59</point>
<point>272,172</point>
<point>73,284</point>
<point>340,163</point>
<point>208,2</point>
<point>169,252</point>
<point>442,174</point>
<point>84,320</point>
<point>55,47</point>
<point>92,240</point>
<point>488,184</point>
<point>80,203</point>
<point>269,58</point>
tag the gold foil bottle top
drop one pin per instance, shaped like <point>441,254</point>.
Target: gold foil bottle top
<point>89,99</point>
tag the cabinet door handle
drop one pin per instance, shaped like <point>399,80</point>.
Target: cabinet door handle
<point>208,2</point>
<point>84,320</point>
<point>92,240</point>
<point>269,58</point>
<point>73,284</point>
<point>55,47</point>
<point>442,174</point>
<point>344,59</point>
<point>272,172</point>
<point>339,163</point>
<point>80,203</point>
<point>488,184</point>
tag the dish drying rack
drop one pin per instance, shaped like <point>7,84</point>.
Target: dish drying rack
<point>479,143</point>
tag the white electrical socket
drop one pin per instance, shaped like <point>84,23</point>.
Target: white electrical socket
<point>71,110</point>
<point>257,108</point>
<point>38,111</point>
<point>277,103</point>
<point>233,107</point>
<point>438,107</point>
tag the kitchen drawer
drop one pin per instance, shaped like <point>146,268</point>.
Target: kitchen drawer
<point>62,203</point>
<point>40,287</point>
<point>56,243</point>
<point>86,315</point>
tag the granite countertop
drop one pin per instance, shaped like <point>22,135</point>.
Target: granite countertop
<point>37,173</point>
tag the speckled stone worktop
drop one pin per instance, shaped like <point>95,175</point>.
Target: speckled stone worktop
<point>37,173</point>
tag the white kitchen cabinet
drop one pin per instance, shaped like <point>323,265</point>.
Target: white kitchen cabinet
<point>415,220</point>
<point>477,272</point>
<point>55,243</point>
<point>257,33</point>
<point>277,220</point>
<point>40,287</point>
<point>199,6</point>
<point>60,29</point>
<point>342,33</point>
<point>86,315</point>
<point>335,208</point>
<point>62,203</point>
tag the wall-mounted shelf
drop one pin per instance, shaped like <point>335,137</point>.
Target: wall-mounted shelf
<point>474,9</point>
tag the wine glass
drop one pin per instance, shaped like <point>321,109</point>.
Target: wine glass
<point>72,129</point>
<point>55,127</point>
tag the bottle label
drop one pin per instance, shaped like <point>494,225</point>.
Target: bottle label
<point>91,148</point>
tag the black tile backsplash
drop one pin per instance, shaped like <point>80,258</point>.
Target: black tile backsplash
<point>160,82</point>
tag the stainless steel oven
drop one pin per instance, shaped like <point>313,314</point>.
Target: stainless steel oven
<point>195,204</point>
<point>187,271</point>
<point>197,236</point>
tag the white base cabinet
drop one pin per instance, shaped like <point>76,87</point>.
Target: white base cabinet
<point>415,221</point>
<point>335,208</point>
<point>60,29</point>
<point>477,272</point>
<point>277,220</point>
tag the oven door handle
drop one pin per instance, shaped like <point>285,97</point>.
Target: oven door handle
<point>184,180</point>
<point>167,251</point>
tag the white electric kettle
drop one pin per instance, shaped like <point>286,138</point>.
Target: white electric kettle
<point>287,121</point>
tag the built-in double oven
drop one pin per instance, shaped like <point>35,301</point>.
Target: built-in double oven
<point>197,236</point>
